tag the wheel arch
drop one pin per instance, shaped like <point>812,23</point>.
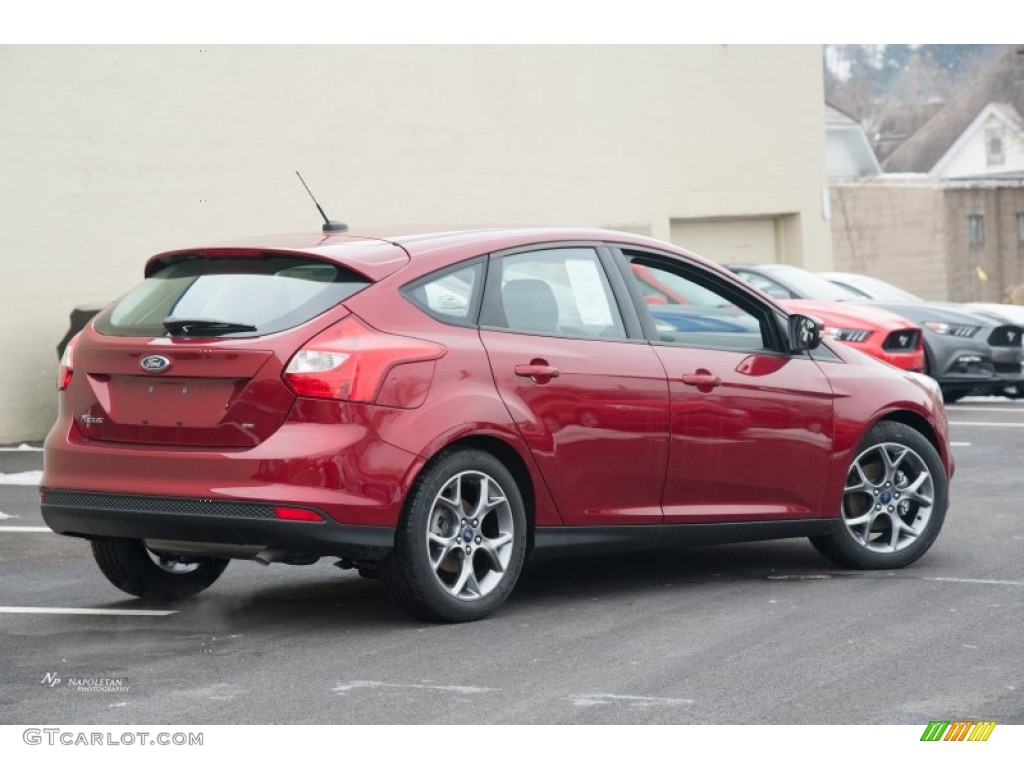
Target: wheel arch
<point>920,424</point>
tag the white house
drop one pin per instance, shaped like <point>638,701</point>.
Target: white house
<point>993,144</point>
<point>848,153</point>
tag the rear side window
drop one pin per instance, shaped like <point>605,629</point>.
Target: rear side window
<point>449,296</point>
<point>230,297</point>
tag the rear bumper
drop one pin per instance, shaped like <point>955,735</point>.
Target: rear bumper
<point>336,465</point>
<point>98,515</point>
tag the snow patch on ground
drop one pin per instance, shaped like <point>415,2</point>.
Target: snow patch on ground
<point>32,477</point>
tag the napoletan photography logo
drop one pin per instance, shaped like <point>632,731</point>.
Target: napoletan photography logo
<point>958,730</point>
<point>86,684</point>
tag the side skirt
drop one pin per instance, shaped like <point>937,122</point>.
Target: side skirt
<point>562,541</point>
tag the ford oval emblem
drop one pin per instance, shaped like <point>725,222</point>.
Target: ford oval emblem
<point>155,364</point>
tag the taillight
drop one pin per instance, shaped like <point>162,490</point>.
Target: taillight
<point>67,364</point>
<point>349,361</point>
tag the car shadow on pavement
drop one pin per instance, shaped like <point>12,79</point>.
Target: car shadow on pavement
<point>735,562</point>
<point>324,598</point>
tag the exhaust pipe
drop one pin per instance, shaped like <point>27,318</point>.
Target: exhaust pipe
<point>271,555</point>
<point>260,553</point>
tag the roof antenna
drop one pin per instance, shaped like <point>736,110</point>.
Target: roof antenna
<point>329,226</point>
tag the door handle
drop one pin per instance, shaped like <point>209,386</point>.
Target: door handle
<point>702,380</point>
<point>538,370</point>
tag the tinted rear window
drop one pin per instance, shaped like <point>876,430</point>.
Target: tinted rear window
<point>271,293</point>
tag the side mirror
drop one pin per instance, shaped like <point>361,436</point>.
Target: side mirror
<point>804,333</point>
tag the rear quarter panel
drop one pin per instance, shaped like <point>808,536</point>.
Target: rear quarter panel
<point>462,400</point>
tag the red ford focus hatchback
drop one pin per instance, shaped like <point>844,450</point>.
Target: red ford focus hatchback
<point>434,409</point>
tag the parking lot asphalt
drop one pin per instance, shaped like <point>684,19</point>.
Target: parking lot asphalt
<point>755,633</point>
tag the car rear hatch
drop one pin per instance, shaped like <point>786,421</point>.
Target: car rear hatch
<point>193,356</point>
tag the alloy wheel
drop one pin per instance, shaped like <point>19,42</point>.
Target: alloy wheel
<point>470,535</point>
<point>888,498</point>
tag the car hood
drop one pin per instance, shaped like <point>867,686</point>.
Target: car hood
<point>932,313</point>
<point>1003,313</point>
<point>844,315</point>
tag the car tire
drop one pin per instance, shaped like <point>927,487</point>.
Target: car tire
<point>461,541</point>
<point>894,501</point>
<point>953,395</point>
<point>132,568</point>
<point>1015,392</point>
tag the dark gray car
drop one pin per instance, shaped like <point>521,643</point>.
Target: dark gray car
<point>965,352</point>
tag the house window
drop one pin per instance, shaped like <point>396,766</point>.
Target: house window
<point>976,230</point>
<point>994,146</point>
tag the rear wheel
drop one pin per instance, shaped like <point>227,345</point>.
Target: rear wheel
<point>894,501</point>
<point>461,542</point>
<point>134,569</point>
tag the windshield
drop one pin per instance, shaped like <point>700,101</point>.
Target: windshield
<point>809,285</point>
<point>882,290</point>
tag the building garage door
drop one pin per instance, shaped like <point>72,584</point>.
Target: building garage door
<point>750,240</point>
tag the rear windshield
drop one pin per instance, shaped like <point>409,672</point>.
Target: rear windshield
<point>230,297</point>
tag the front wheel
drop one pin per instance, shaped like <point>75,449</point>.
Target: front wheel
<point>134,569</point>
<point>894,501</point>
<point>461,542</point>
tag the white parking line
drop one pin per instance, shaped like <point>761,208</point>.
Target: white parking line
<point>982,408</point>
<point>24,529</point>
<point>976,581</point>
<point>959,445</point>
<point>85,611</point>
<point>344,688</point>
<point>634,702</point>
<point>985,424</point>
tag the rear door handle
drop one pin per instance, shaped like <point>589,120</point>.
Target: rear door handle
<point>702,380</point>
<point>538,370</point>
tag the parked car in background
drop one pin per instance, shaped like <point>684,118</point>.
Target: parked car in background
<point>1005,313</point>
<point>77,319</point>
<point>872,330</point>
<point>870,288</point>
<point>873,288</point>
<point>1006,363</point>
<point>964,352</point>
<point>432,409</point>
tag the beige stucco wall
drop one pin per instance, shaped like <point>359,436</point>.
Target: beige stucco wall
<point>893,230</point>
<point>112,153</point>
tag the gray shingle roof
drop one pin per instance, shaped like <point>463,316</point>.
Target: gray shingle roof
<point>1004,82</point>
